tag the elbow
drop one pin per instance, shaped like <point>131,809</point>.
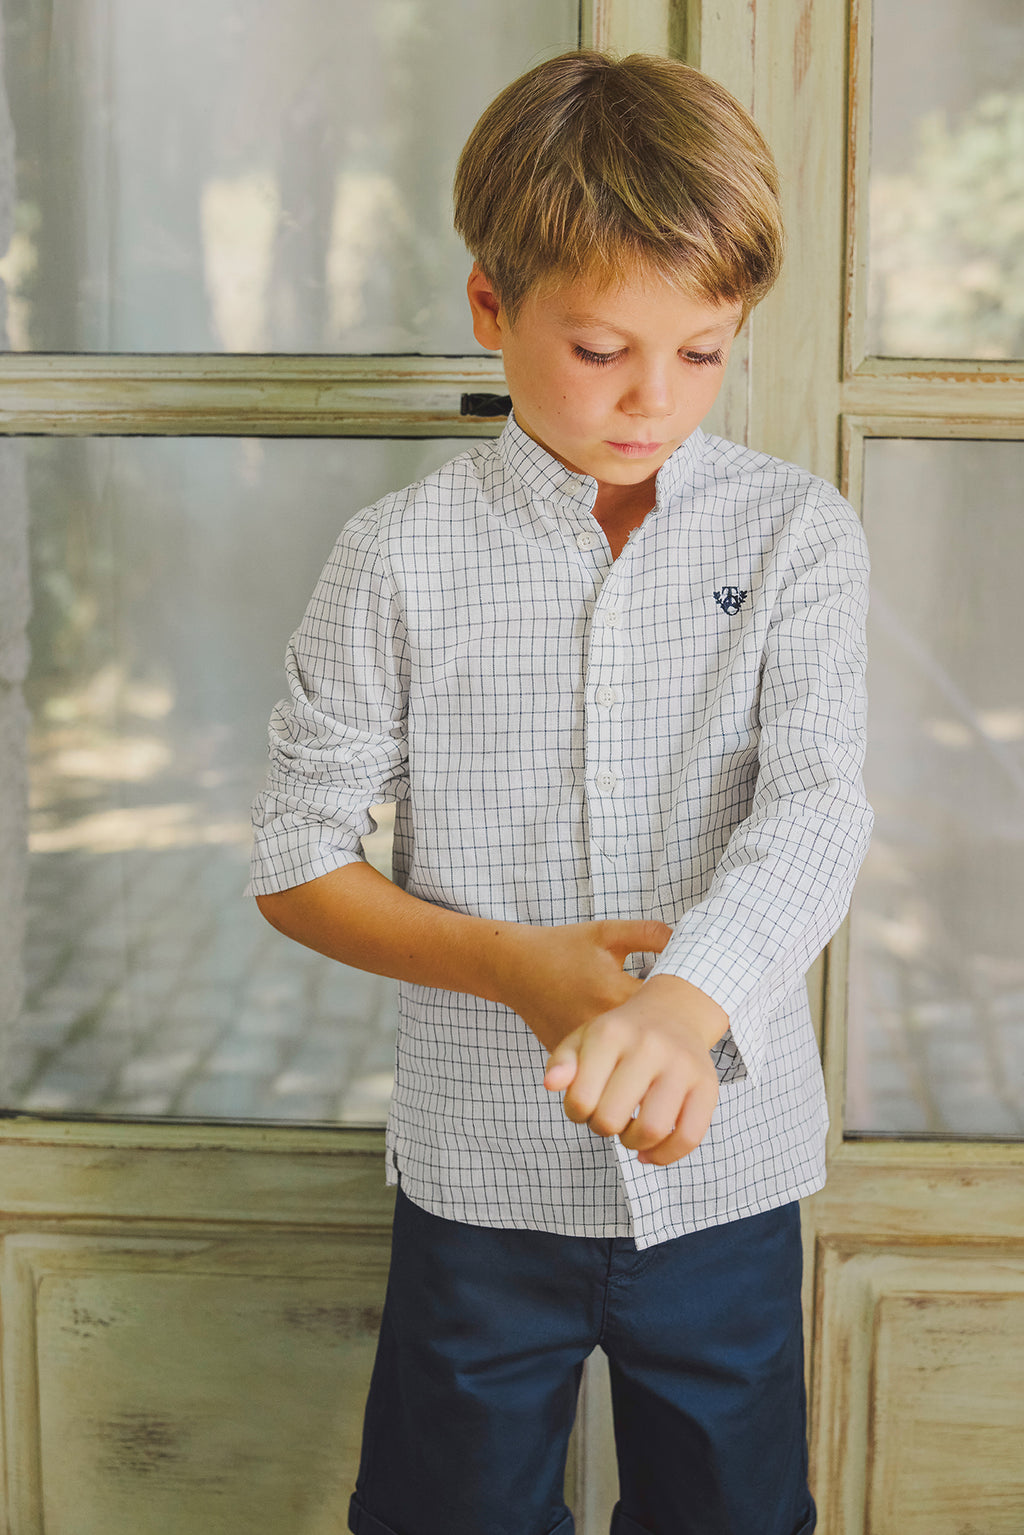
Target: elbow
<point>274,908</point>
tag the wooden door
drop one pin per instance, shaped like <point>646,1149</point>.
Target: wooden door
<point>890,360</point>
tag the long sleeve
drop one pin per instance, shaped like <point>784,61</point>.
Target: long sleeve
<point>338,742</point>
<point>784,882</point>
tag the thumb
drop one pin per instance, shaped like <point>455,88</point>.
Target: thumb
<point>646,936</point>
<point>562,1063</point>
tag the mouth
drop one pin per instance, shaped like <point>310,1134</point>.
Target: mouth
<point>635,449</point>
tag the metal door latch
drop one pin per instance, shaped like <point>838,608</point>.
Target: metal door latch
<point>485,405</point>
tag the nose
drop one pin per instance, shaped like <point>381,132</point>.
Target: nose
<point>649,393</point>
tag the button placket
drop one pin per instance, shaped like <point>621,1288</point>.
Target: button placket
<point>604,747</point>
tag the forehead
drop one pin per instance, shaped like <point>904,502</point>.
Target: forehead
<point>647,302</point>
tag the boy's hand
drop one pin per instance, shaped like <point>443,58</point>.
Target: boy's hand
<point>559,978</point>
<point>651,1051</point>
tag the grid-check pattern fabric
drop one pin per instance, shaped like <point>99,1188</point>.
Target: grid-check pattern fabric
<point>677,734</point>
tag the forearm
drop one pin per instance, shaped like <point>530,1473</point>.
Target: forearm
<point>555,978</point>
<point>357,916</point>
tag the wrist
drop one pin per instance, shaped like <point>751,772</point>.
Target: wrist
<point>689,1004</point>
<point>497,957</point>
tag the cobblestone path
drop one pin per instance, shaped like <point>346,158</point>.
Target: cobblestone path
<point>173,996</point>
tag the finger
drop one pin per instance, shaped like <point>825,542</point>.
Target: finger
<point>657,1116</point>
<point>625,1087</point>
<point>646,936</point>
<point>599,1053</point>
<point>562,1063</point>
<point>691,1127</point>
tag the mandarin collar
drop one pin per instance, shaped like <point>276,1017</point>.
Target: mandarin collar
<point>542,476</point>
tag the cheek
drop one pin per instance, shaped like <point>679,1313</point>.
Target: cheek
<point>707,389</point>
<point>564,398</point>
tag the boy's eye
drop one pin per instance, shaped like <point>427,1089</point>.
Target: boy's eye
<point>599,359</point>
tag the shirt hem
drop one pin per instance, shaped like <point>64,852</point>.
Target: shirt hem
<point>643,1240</point>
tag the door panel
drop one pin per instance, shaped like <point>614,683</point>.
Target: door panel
<point>920,1416</point>
<point>187,1332</point>
<point>188,1382</point>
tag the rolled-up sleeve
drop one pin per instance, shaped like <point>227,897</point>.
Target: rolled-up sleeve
<point>338,741</point>
<point>784,882</point>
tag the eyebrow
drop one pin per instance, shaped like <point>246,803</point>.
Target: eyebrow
<point>578,320</point>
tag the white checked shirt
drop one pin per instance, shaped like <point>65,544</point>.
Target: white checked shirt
<point>677,734</point>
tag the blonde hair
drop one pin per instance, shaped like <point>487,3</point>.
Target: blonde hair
<point>588,166</point>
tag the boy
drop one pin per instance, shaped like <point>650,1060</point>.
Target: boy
<point>611,671</point>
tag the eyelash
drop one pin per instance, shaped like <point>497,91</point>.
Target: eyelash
<point>602,359</point>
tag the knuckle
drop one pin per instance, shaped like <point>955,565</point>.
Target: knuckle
<point>652,1044</point>
<point>643,1140</point>
<point>661,1132</point>
<point>608,1030</point>
<point>603,1124</point>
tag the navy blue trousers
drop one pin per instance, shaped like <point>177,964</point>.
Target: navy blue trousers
<point>478,1366</point>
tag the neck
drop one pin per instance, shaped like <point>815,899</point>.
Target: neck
<point>623,506</point>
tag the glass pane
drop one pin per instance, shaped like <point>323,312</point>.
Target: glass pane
<point>936,1029</point>
<point>946,257</point>
<point>167,575</point>
<point>248,175</point>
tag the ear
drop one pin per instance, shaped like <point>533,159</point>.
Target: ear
<point>486,309</point>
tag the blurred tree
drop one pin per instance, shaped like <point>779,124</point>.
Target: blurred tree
<point>947,239</point>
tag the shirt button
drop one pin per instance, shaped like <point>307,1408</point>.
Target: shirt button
<point>585,540</point>
<point>606,782</point>
<point>612,617</point>
<point>606,696</point>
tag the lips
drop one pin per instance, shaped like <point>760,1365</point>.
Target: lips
<point>635,449</point>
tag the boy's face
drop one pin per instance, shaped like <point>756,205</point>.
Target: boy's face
<point>609,381</point>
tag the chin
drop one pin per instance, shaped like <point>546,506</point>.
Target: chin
<point>619,471</point>
<point>616,476</point>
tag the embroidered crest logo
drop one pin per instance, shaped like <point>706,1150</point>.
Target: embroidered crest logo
<point>730,599</point>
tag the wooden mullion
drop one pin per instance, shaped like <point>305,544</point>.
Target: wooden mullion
<point>948,395</point>
<point>858,167</point>
<point>230,395</point>
<point>629,26</point>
